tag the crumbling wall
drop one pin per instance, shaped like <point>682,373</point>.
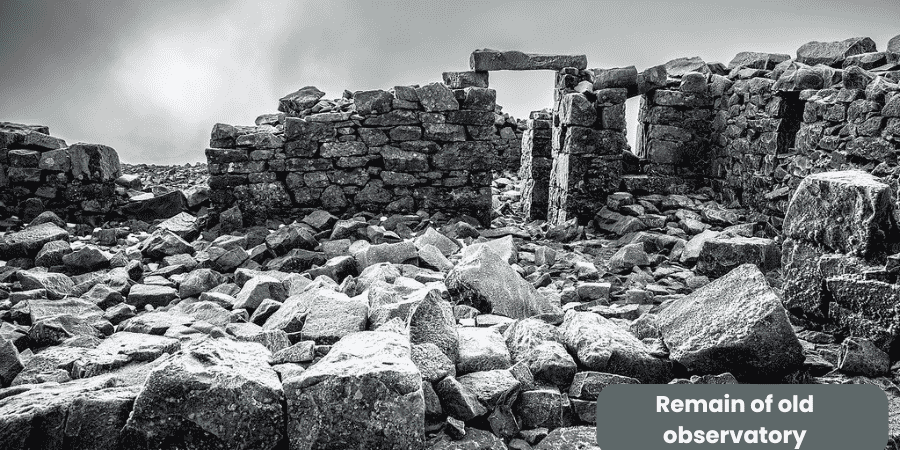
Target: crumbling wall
<point>430,147</point>
<point>588,140</point>
<point>535,165</point>
<point>39,172</point>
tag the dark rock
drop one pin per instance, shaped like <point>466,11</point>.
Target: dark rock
<point>161,207</point>
<point>296,102</point>
<point>861,356</point>
<point>141,295</point>
<point>719,256</point>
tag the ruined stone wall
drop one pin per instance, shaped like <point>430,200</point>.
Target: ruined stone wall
<point>39,172</point>
<point>588,141</point>
<point>535,165</point>
<point>431,147</point>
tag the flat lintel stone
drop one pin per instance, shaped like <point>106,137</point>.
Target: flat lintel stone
<point>487,59</point>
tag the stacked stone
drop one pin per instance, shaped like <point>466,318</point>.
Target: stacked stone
<point>431,147</point>
<point>755,126</point>
<point>675,128</point>
<point>588,141</point>
<point>508,143</point>
<point>536,163</point>
<point>39,172</point>
<point>839,231</point>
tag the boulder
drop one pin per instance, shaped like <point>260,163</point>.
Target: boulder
<point>10,363</point>
<point>861,356</point>
<point>431,236</point>
<point>833,53</point>
<point>627,257</point>
<point>214,394</point>
<point>719,256</point>
<point>458,400</point>
<point>481,349</point>
<point>483,279</point>
<point>492,388</point>
<point>757,60</point>
<point>603,346</point>
<point>199,281</point>
<point>296,102</point>
<point>162,207</point>
<point>141,295</point>
<point>28,242</point>
<point>431,321</point>
<point>375,370</point>
<point>845,211</point>
<point>258,289</point>
<point>539,346</point>
<point>735,324</point>
<point>579,437</point>
<point>320,314</point>
<point>544,408</point>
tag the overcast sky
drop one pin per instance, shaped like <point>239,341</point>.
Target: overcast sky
<point>150,78</point>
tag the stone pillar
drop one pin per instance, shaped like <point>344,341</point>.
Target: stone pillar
<point>536,163</point>
<point>588,139</point>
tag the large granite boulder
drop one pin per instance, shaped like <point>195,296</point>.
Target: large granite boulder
<point>217,393</point>
<point>603,346</point>
<point>845,211</point>
<point>365,393</point>
<point>483,279</point>
<point>735,324</point>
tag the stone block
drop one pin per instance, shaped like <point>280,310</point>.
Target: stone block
<point>487,59</point>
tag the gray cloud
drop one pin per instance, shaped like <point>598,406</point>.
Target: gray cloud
<point>151,78</point>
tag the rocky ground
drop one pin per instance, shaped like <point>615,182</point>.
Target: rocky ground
<point>327,332</point>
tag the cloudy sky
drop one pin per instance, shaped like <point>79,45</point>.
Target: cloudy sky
<point>150,78</point>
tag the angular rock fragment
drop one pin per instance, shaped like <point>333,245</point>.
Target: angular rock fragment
<point>375,370</point>
<point>602,346</point>
<point>214,394</point>
<point>735,324</point>
<point>493,286</point>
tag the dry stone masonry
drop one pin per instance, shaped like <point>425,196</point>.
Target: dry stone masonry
<point>430,147</point>
<point>40,172</point>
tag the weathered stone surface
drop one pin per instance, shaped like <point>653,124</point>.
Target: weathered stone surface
<point>487,59</point>
<point>861,356</point>
<point>199,281</point>
<point>295,102</point>
<point>492,388</point>
<point>719,256</point>
<point>540,347</point>
<point>460,80</point>
<point>493,286</point>
<point>437,97</point>
<point>141,295</point>
<point>481,349</point>
<point>458,400</point>
<point>579,437</point>
<point>833,53</point>
<point>587,385</point>
<point>373,368</point>
<point>432,321</point>
<point>10,363</point>
<point>757,60</point>
<point>547,408</point>
<point>735,324</point>
<point>225,396</point>
<point>28,242</point>
<point>602,346</point>
<point>258,289</point>
<point>320,314</point>
<point>57,285</point>
<point>845,211</point>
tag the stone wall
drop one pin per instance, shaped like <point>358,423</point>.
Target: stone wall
<point>588,140</point>
<point>39,172</point>
<point>535,165</point>
<point>430,147</point>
